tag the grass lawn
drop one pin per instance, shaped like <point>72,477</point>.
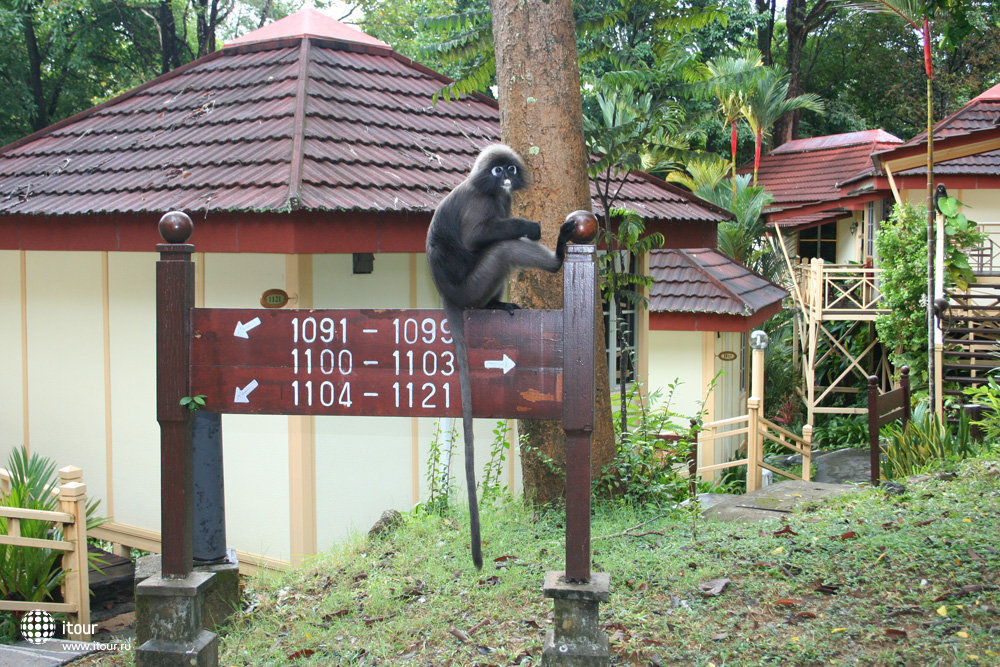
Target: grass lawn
<point>870,578</point>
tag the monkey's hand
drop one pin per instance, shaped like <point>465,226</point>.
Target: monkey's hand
<point>567,229</point>
<point>532,230</point>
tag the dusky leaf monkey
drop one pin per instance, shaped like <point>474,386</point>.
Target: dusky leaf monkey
<point>473,244</point>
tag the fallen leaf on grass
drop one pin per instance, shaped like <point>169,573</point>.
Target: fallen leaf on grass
<point>849,535</point>
<point>924,523</point>
<point>490,581</point>
<point>894,633</point>
<point>719,637</point>
<point>785,530</point>
<point>942,610</point>
<point>963,634</point>
<point>533,624</point>
<point>788,602</point>
<point>805,615</point>
<point>974,556</point>
<point>329,617</point>
<point>714,587</point>
<point>302,653</point>
<point>459,635</point>
<point>828,589</point>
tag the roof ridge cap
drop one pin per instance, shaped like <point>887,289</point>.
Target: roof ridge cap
<point>297,157</point>
<point>686,252</point>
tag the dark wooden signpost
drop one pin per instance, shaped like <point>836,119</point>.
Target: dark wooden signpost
<point>534,364</point>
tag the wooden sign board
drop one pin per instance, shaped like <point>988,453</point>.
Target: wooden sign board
<point>375,362</point>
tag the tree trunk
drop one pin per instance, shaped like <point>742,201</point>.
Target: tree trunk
<point>39,116</point>
<point>170,57</point>
<point>541,118</point>
<point>765,28</point>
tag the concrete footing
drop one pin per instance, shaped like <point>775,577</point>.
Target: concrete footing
<point>170,622</point>
<point>576,637</point>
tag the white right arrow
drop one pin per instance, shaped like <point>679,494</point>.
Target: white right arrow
<point>243,395</point>
<point>506,364</point>
<point>242,329</point>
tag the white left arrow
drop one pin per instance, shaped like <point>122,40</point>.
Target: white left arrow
<point>243,395</point>
<point>506,364</point>
<point>242,329</point>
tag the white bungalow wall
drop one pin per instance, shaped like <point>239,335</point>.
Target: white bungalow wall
<point>689,359</point>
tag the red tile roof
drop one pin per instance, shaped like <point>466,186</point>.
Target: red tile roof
<point>806,171</point>
<point>981,113</point>
<point>304,114</point>
<point>706,281</point>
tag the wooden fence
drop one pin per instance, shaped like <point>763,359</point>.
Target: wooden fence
<point>72,520</point>
<point>758,431</point>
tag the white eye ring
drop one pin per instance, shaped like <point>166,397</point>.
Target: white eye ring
<point>497,171</point>
<point>512,169</point>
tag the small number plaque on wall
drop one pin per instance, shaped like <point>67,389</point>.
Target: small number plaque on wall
<point>274,298</point>
<point>727,355</point>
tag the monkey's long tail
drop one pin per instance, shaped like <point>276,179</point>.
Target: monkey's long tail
<point>456,321</point>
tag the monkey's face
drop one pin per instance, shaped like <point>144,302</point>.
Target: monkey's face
<point>506,175</point>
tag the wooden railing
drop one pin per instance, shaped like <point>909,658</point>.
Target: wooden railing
<point>72,522</point>
<point>985,258</point>
<point>836,289</point>
<point>758,431</point>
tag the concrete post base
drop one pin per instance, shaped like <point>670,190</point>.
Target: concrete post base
<point>170,622</point>
<point>576,638</point>
<point>221,600</point>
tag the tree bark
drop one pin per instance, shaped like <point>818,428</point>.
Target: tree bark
<point>800,20</point>
<point>170,57</point>
<point>541,117</point>
<point>39,117</point>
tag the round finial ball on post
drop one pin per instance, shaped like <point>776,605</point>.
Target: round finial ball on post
<point>586,226</point>
<point>176,227</point>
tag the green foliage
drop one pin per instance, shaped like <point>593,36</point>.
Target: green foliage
<point>901,245</point>
<point>988,396</point>
<point>837,431</point>
<point>961,234</point>
<point>438,473</point>
<point>646,469</point>
<point>492,480</point>
<point>924,441</point>
<point>193,403</point>
<point>28,573</point>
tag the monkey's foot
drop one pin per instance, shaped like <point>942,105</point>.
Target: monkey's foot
<point>496,304</point>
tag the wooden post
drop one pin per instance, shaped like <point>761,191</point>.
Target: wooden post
<point>753,444</point>
<point>873,426</point>
<point>807,438</point>
<point>579,299</point>
<point>174,300</point>
<point>76,584</point>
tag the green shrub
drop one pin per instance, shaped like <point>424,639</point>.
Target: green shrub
<point>27,573</point>
<point>838,431</point>
<point>924,440</point>
<point>988,396</point>
<point>646,468</point>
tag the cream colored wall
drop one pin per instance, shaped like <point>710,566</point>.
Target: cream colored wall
<point>11,359</point>
<point>847,243</point>
<point>255,447</point>
<point>135,461</point>
<point>729,398</point>
<point>677,355</point>
<point>66,392</point>
<point>983,206</point>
